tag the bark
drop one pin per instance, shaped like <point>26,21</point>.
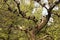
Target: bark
<point>39,26</point>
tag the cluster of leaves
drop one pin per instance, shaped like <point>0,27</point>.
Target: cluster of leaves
<point>7,18</point>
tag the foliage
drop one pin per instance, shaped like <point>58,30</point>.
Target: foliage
<point>7,18</point>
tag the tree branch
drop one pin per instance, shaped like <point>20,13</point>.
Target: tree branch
<point>9,31</point>
<point>43,5</point>
<point>57,15</point>
<point>23,14</point>
<point>56,3</point>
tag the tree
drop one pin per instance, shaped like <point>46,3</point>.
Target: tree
<point>33,31</point>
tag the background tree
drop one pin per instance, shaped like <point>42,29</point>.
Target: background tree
<point>18,23</point>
